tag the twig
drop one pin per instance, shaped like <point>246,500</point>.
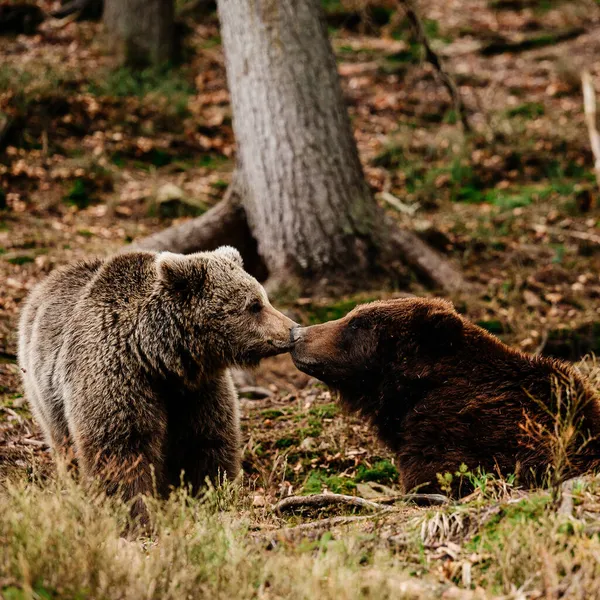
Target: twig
<point>589,106</point>
<point>36,443</point>
<point>432,58</point>
<point>409,210</point>
<point>540,347</point>
<point>416,498</point>
<point>292,502</point>
<point>12,413</point>
<point>580,235</point>
<point>566,504</point>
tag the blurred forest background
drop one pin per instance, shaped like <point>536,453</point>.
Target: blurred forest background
<point>479,185</point>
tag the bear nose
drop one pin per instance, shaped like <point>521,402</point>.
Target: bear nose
<point>295,334</point>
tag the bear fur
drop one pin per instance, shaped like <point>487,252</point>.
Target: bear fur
<point>442,392</point>
<point>126,360</point>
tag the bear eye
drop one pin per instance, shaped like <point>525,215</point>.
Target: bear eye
<point>358,324</point>
<point>255,307</point>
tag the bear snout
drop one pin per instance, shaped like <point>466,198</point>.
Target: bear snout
<point>296,334</point>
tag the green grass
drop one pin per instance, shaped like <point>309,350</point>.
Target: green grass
<point>382,471</point>
<point>318,480</point>
<point>168,85</point>
<point>529,110</point>
<point>80,194</point>
<point>61,540</point>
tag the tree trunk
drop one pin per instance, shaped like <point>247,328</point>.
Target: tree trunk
<point>299,181</point>
<point>306,199</point>
<point>145,28</point>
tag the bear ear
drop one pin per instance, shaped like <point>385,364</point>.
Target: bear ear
<point>230,253</point>
<point>178,272</point>
<point>441,327</point>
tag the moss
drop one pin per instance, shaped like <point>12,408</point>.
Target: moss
<point>271,413</point>
<point>325,411</point>
<point>21,260</point>
<point>286,442</point>
<point>382,471</point>
<point>318,480</point>
<point>80,194</point>
<point>529,110</point>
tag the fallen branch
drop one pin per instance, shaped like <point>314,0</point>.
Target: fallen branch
<point>579,235</point>
<point>421,499</point>
<point>319,500</point>
<point>589,105</point>
<point>432,58</point>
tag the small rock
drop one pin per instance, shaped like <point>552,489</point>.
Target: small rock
<point>307,443</point>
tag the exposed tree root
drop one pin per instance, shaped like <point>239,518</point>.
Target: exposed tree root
<point>223,224</point>
<point>426,261</point>
<point>226,223</point>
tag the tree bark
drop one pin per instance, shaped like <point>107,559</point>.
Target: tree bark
<point>145,28</point>
<point>306,198</point>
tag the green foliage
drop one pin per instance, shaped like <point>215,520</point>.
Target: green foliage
<point>325,411</point>
<point>167,84</point>
<point>529,110</point>
<point>286,442</point>
<point>80,194</point>
<point>271,413</point>
<point>382,471</point>
<point>21,260</point>
<point>319,479</point>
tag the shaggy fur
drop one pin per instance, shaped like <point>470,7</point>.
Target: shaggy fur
<point>126,359</point>
<point>441,391</point>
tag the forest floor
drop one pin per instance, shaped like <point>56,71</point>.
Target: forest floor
<point>96,157</point>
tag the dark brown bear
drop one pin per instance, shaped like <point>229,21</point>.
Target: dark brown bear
<point>442,392</point>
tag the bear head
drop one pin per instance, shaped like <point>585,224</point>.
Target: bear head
<point>222,313</point>
<point>401,338</point>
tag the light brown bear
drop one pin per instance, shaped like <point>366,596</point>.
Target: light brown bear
<point>442,392</point>
<point>126,359</point>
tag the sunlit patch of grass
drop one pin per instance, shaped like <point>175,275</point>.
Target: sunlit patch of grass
<point>167,85</point>
<point>319,480</point>
<point>382,471</point>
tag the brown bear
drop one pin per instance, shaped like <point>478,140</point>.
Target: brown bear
<point>127,360</point>
<point>442,392</point>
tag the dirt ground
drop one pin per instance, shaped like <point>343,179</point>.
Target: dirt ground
<point>96,157</point>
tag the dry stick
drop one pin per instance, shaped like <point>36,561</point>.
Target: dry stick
<point>580,235</point>
<point>292,502</point>
<point>432,58</point>
<point>589,106</point>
